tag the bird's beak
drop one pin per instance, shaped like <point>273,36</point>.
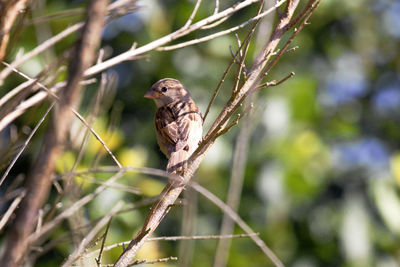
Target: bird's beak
<point>151,94</point>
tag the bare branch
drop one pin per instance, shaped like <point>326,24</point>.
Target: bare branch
<point>306,14</point>
<point>72,209</point>
<point>234,60</point>
<point>39,180</point>
<point>55,39</point>
<point>34,100</point>
<point>57,15</point>
<point>166,39</point>
<point>117,186</point>
<point>131,54</point>
<point>39,49</point>
<point>221,33</point>
<point>8,13</point>
<point>215,24</point>
<point>49,245</point>
<point>194,12</point>
<point>275,83</point>
<point>98,260</point>
<point>235,188</point>
<point>91,235</point>
<point>174,188</point>
<point>11,209</point>
<point>3,177</point>
<point>233,215</point>
<point>173,238</point>
<point>23,106</point>
<point>201,237</point>
<point>137,262</point>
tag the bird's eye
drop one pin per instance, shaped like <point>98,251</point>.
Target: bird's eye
<point>164,89</point>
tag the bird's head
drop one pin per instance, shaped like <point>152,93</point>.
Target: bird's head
<point>166,91</point>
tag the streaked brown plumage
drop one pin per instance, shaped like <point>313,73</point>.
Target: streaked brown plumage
<point>178,122</point>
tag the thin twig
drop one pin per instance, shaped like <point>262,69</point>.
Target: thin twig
<point>137,262</point>
<point>216,6</point>
<point>222,80</point>
<point>132,54</point>
<point>173,238</point>
<point>98,260</point>
<point>200,237</point>
<point>232,124</point>
<point>221,33</point>
<point>55,39</point>
<point>54,16</point>
<point>12,193</point>
<point>91,235</point>
<point>235,187</point>
<point>4,176</point>
<point>66,237</point>
<point>126,169</point>
<point>11,210</point>
<point>173,189</point>
<point>117,186</point>
<point>72,209</point>
<point>39,49</point>
<point>38,182</point>
<point>232,214</point>
<point>313,4</point>
<point>275,83</point>
<point>213,25</point>
<point>80,117</point>
<point>194,12</point>
<point>166,39</point>
<point>244,53</point>
<point>34,100</point>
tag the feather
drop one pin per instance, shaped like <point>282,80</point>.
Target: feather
<point>178,122</point>
<point>177,161</point>
<point>179,128</point>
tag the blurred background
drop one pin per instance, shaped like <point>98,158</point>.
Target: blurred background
<point>322,174</point>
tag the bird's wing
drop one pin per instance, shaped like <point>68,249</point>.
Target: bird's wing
<point>175,121</point>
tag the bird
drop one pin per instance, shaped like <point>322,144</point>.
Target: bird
<point>178,122</point>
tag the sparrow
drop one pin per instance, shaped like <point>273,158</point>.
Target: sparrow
<point>179,124</point>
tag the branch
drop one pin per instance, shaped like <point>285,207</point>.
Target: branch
<point>38,181</point>
<point>10,211</point>
<point>275,83</point>
<point>98,259</point>
<point>233,215</point>
<point>221,33</point>
<point>91,235</point>
<point>166,39</point>
<point>131,54</point>
<point>235,188</point>
<point>117,5</point>
<point>9,11</point>
<point>172,238</point>
<point>194,12</point>
<point>41,95</point>
<point>72,209</point>
<point>3,177</point>
<point>174,188</point>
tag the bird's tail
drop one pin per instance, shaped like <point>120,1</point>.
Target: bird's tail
<point>177,161</point>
